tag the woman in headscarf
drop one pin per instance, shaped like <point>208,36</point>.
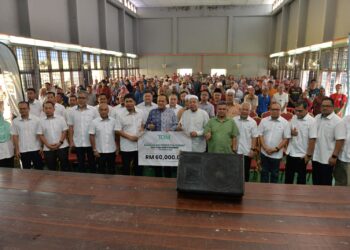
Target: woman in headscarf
<point>6,146</point>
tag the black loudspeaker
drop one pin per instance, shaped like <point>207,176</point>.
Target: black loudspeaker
<point>211,173</point>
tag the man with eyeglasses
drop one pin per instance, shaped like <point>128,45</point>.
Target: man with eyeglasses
<point>329,142</point>
<point>274,133</point>
<point>302,143</point>
<point>79,120</point>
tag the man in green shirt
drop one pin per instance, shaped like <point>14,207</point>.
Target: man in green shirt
<point>221,132</point>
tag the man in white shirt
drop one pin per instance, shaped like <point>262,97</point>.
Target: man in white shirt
<point>52,132</point>
<point>302,143</point>
<point>25,139</point>
<point>341,171</point>
<point>102,98</point>
<point>120,108</point>
<point>281,98</point>
<point>193,122</point>
<point>102,138</point>
<point>274,132</point>
<point>130,126</point>
<point>329,143</point>
<point>60,110</point>
<point>35,106</point>
<point>248,134</point>
<point>79,120</point>
<point>173,100</point>
<point>147,105</point>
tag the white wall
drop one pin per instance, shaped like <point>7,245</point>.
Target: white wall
<point>9,23</point>
<point>325,20</point>
<point>342,21</point>
<point>204,38</point>
<point>129,34</point>
<point>293,25</point>
<point>92,23</point>
<point>49,20</point>
<point>155,35</point>
<point>88,23</point>
<point>112,27</point>
<point>202,34</point>
<point>315,22</point>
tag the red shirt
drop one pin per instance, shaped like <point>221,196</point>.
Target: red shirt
<point>339,100</point>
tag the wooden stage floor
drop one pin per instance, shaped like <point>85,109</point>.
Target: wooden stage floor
<point>51,210</point>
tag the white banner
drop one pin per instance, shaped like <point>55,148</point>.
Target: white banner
<point>162,148</point>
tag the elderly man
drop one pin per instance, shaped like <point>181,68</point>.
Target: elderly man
<point>193,122</point>
<point>281,98</point>
<point>301,144</point>
<point>102,139</point>
<point>252,98</point>
<point>274,132</point>
<point>233,109</point>
<point>221,133</point>
<point>161,119</point>
<point>329,142</point>
<point>173,100</point>
<point>247,139</point>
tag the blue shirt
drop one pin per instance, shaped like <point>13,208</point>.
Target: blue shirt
<point>163,120</point>
<point>264,103</point>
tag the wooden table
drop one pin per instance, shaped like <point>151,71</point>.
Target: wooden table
<point>51,210</point>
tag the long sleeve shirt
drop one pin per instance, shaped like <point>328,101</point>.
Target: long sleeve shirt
<point>163,120</point>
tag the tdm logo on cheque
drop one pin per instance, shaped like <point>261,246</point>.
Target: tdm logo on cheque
<point>164,137</point>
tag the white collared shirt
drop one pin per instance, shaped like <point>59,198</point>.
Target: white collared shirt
<point>6,150</point>
<point>307,129</point>
<point>176,109</point>
<point>195,122</point>
<point>26,130</point>
<point>146,109</point>
<point>119,109</point>
<point>60,110</point>
<point>327,134</point>
<point>35,108</point>
<point>104,131</point>
<point>281,99</point>
<point>51,129</point>
<point>131,124</point>
<point>80,120</point>
<point>274,131</point>
<point>345,153</point>
<point>247,131</point>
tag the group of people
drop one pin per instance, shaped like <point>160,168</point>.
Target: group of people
<point>217,113</point>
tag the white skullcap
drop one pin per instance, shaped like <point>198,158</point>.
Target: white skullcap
<point>189,97</point>
<point>230,91</point>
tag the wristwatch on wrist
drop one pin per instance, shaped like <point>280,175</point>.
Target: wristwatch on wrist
<point>309,156</point>
<point>61,142</point>
<point>334,156</point>
<point>277,149</point>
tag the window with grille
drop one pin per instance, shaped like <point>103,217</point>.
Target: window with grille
<point>76,79</point>
<point>56,79</point>
<point>25,58</point>
<point>98,62</point>
<point>65,60</point>
<point>42,58</point>
<point>335,59</point>
<point>92,61</point>
<point>44,77</point>
<point>55,65</point>
<point>74,60</point>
